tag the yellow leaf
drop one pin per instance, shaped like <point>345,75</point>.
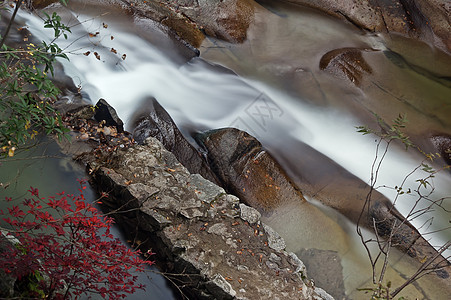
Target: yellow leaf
<point>11,151</point>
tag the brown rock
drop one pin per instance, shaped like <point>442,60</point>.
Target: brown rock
<point>42,3</point>
<point>252,174</point>
<point>163,12</point>
<point>347,63</point>
<point>227,20</point>
<point>247,170</point>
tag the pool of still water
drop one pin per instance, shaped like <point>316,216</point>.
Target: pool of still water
<point>44,167</point>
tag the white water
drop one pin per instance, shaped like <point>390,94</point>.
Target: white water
<point>201,97</point>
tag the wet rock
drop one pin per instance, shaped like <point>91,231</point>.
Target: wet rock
<point>42,3</point>
<point>346,63</point>
<point>424,19</point>
<point>248,171</point>
<point>154,121</point>
<point>105,112</point>
<point>274,240</point>
<point>219,255</point>
<point>326,265</point>
<point>404,236</point>
<point>245,169</point>
<point>442,144</point>
<point>227,20</point>
<point>249,214</point>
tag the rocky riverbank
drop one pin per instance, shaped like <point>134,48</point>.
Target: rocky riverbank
<point>110,156</point>
<point>229,20</point>
<point>217,246</point>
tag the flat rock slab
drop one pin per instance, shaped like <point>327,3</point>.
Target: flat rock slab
<point>205,234</point>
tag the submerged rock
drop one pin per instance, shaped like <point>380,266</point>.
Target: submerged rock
<point>326,265</point>
<point>346,63</point>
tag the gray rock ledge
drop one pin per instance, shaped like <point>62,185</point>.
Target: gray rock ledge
<point>219,245</point>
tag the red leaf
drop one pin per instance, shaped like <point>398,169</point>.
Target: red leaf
<point>33,191</point>
<point>16,212</point>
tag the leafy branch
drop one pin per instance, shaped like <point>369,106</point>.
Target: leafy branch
<point>422,193</point>
<point>63,249</point>
<point>26,92</point>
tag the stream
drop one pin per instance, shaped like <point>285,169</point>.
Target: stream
<point>277,93</point>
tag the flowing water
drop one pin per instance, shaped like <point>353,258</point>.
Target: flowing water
<point>280,96</point>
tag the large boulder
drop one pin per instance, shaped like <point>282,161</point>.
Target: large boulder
<point>224,19</point>
<point>202,233</point>
<point>218,247</point>
<point>428,20</point>
<point>247,170</point>
<point>153,121</point>
<point>227,19</point>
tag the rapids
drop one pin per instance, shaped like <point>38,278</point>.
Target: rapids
<point>280,96</point>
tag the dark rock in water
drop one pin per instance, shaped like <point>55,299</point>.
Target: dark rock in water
<point>154,121</point>
<point>347,63</point>
<point>105,112</point>
<point>442,143</point>
<point>325,267</point>
<point>246,169</point>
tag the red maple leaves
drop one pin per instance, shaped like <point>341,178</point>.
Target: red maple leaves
<point>67,249</point>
